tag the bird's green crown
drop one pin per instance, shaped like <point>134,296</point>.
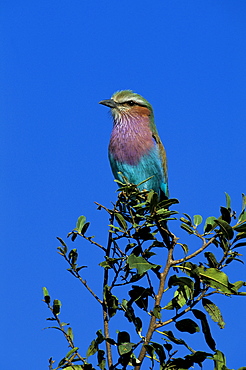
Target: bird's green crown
<point>131,98</point>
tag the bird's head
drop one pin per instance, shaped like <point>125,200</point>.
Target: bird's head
<point>125,104</point>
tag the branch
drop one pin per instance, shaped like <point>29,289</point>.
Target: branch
<point>61,328</point>
<point>174,318</point>
<point>158,298</point>
<point>105,282</point>
<point>76,274</point>
<point>106,209</point>
<point>204,246</point>
<point>89,239</point>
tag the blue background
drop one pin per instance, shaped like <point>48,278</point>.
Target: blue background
<point>58,59</point>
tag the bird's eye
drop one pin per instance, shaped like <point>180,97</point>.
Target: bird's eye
<point>131,103</point>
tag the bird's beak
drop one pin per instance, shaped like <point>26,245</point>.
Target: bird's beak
<point>109,103</point>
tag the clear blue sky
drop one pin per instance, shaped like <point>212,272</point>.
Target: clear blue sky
<point>58,59</point>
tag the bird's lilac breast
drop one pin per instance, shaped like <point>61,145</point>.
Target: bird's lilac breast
<point>131,139</point>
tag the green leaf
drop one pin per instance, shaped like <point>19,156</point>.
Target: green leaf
<point>189,268</point>
<point>243,202</point>
<point>168,347</point>
<point>142,182</point>
<point>130,315</point>
<point>167,203</point>
<point>225,214</point>
<point>213,311</point>
<point>228,201</point>
<point>240,236</point>
<point>70,333</point>
<point>198,357</point>
<point>130,246</point>
<point>101,359</point>
<point>109,263</point>
<point>181,363</point>
<point>56,306</point>
<point>150,195</point>
<point>179,300</point>
<point>124,344</point>
<point>216,279</point>
<point>125,348</point>
<point>87,367</point>
<point>80,223</point>
<point>165,212</point>
<point>46,295</point>
<point>174,280</point>
<point>150,350</point>
<point>209,224</point>
<point>111,301</point>
<point>187,325</point>
<point>184,292</point>
<point>62,250</point>
<point>140,295</point>
<point>219,361</point>
<point>129,312</point>
<point>140,264</point>
<point>171,337</point>
<point>62,242</point>
<point>242,216</point>
<point>157,312</point>
<point>205,328</point>
<point>185,248</point>
<point>75,367</point>
<point>238,284</point>
<point>121,221</point>
<point>225,228</point>
<point>45,291</point>
<point>74,236</point>
<point>187,228</point>
<point>111,341</point>
<point>100,338</point>
<point>152,198</point>
<point>184,220</point>
<point>85,227</point>
<point>241,228</point>
<point>159,350</point>
<point>239,245</point>
<point>80,268</point>
<point>61,362</point>
<point>188,217</point>
<point>212,261</point>
<point>143,233</point>
<point>197,219</point>
<point>69,354</point>
<point>73,256</point>
<point>92,349</point>
<point>138,325</point>
<point>123,337</point>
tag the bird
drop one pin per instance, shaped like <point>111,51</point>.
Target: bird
<point>135,148</point>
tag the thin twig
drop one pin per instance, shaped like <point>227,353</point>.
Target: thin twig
<point>116,274</point>
<point>76,274</point>
<point>174,318</point>
<point>198,251</point>
<point>61,328</point>
<point>105,208</point>
<point>89,239</point>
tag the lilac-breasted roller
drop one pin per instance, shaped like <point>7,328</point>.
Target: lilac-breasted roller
<point>135,148</point>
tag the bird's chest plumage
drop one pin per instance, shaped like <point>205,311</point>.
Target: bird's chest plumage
<point>136,153</point>
<point>130,141</point>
